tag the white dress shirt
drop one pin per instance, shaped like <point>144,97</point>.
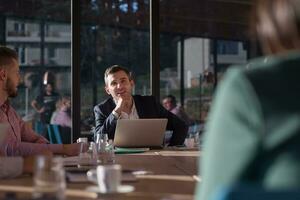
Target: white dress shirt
<point>132,115</point>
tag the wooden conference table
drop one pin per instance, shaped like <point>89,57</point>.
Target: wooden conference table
<point>174,176</point>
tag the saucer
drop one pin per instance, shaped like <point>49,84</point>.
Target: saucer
<point>121,189</point>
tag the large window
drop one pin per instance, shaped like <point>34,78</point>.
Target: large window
<point>196,48</point>
<point>40,32</point>
<point>114,32</point>
<point>198,40</point>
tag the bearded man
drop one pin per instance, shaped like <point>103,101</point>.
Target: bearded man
<point>20,140</point>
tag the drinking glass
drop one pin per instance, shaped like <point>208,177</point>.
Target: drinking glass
<point>196,137</point>
<point>106,154</point>
<point>108,177</point>
<point>89,157</point>
<point>49,178</point>
<point>189,141</point>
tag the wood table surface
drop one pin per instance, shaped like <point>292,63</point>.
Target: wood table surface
<point>172,177</point>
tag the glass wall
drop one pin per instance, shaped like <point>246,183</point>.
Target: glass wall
<point>196,48</point>
<point>114,32</point>
<point>199,40</point>
<point>40,32</point>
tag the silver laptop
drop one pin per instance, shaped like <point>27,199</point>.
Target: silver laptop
<point>140,132</point>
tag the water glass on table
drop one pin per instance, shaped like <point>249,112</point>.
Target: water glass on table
<point>106,154</point>
<point>196,137</point>
<point>107,178</point>
<point>89,157</point>
<point>49,178</point>
<point>189,141</point>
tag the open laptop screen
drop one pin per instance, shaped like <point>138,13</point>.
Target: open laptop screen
<point>140,132</point>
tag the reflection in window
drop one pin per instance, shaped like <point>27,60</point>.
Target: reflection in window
<point>195,33</point>
<point>41,35</point>
<point>124,7</point>
<point>21,53</point>
<point>227,47</point>
<point>20,28</point>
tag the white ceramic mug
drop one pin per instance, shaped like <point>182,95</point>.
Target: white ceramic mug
<point>189,142</point>
<point>108,177</point>
<point>82,139</point>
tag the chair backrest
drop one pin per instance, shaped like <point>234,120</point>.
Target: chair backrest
<point>39,127</point>
<point>247,192</point>
<point>54,134</point>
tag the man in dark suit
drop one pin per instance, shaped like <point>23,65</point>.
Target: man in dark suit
<point>123,105</point>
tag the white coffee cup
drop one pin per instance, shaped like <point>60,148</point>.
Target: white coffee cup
<point>82,139</point>
<point>108,177</point>
<point>189,142</point>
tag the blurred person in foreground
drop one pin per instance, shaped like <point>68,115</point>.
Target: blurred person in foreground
<point>21,140</point>
<point>169,102</point>
<point>253,131</point>
<point>123,105</point>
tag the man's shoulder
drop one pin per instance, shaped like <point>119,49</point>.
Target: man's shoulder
<point>145,100</point>
<point>104,104</point>
<point>144,97</point>
<point>177,109</point>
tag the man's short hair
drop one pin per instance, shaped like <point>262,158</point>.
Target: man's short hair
<point>172,99</point>
<point>6,56</point>
<point>115,68</point>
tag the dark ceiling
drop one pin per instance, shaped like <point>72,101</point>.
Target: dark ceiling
<point>208,18</point>
<point>227,19</point>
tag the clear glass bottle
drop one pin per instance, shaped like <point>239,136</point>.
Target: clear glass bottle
<point>111,151</point>
<point>83,157</point>
<point>92,154</point>
<point>106,154</point>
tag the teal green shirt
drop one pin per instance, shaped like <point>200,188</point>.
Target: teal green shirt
<point>253,130</point>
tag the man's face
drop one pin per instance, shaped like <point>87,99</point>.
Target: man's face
<point>167,104</point>
<point>118,85</point>
<point>13,79</point>
<point>49,88</point>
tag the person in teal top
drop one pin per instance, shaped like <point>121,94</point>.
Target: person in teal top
<point>253,130</point>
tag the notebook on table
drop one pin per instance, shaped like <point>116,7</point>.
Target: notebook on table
<point>140,132</point>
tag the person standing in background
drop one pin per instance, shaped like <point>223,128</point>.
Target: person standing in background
<point>45,103</point>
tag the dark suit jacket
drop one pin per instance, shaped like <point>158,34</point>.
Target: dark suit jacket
<point>146,107</point>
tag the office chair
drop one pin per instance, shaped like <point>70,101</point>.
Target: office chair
<point>54,134</point>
